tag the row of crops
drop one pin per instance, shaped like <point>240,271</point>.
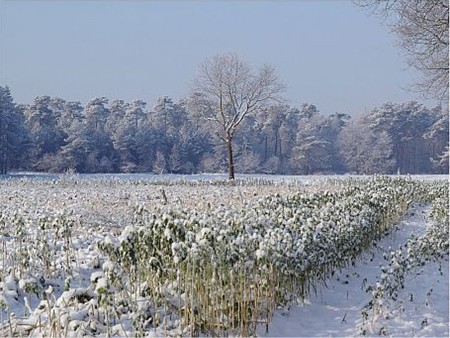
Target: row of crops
<point>418,251</point>
<point>210,270</point>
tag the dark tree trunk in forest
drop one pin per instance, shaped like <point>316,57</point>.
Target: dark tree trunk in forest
<point>265,149</point>
<point>3,151</point>
<point>276,143</point>
<point>229,142</point>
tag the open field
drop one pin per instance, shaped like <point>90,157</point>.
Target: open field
<point>119,257</point>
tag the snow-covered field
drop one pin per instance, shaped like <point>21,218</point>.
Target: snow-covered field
<point>422,308</point>
<point>272,256</point>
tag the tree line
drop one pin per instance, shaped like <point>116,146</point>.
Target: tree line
<point>104,136</point>
<point>235,118</point>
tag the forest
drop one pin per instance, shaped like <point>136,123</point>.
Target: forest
<point>114,136</point>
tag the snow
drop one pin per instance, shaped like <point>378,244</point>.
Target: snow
<point>106,208</point>
<point>335,310</point>
<point>205,177</point>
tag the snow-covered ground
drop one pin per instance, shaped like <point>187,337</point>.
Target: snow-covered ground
<point>305,179</point>
<point>336,309</point>
<point>106,206</point>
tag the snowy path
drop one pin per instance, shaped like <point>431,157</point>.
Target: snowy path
<point>336,309</point>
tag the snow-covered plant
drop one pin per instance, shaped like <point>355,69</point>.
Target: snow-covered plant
<point>416,253</point>
<point>112,257</point>
<point>249,261</point>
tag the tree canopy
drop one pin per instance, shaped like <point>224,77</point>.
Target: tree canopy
<point>55,135</point>
<point>227,91</point>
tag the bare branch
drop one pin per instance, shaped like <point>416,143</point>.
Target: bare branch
<point>231,91</point>
<point>422,27</point>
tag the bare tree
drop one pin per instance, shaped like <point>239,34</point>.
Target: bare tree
<point>227,90</point>
<point>422,28</point>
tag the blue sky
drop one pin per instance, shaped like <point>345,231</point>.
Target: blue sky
<point>329,53</point>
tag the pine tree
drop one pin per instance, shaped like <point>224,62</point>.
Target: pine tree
<point>14,139</point>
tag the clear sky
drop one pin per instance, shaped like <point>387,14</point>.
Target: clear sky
<point>329,53</point>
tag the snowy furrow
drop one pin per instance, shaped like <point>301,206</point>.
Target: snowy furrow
<point>337,308</point>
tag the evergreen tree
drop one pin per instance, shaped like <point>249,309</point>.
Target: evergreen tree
<point>14,138</point>
<point>312,150</point>
<point>41,119</point>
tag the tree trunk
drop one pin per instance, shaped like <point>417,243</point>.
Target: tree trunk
<point>5,163</point>
<point>3,154</point>
<point>265,149</point>
<point>1,147</point>
<point>276,143</point>
<point>280,156</point>
<point>230,158</point>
